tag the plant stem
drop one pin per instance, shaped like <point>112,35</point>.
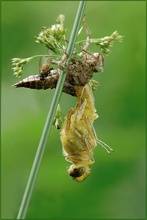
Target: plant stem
<point>48,124</point>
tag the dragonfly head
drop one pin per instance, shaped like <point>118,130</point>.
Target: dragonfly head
<point>79,171</point>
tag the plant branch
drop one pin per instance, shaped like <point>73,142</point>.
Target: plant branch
<point>48,124</point>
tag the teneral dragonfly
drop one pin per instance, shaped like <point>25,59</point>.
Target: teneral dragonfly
<point>78,135</point>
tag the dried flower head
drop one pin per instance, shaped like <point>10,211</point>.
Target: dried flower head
<point>106,42</point>
<point>51,36</point>
<point>19,64</point>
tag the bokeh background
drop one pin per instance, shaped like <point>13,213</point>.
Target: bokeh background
<point>116,186</point>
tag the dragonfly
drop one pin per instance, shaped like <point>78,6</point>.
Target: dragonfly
<point>78,135</point>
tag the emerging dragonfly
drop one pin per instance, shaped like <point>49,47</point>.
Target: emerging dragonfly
<point>77,133</point>
<point>78,136</point>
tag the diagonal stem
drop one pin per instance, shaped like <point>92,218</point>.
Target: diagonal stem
<point>48,124</point>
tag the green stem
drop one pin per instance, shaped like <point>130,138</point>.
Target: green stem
<point>48,124</point>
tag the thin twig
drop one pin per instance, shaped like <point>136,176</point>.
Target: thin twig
<point>48,124</point>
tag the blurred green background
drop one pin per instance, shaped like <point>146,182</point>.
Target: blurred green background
<point>116,186</point>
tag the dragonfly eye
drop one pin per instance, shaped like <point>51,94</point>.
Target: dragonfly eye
<point>79,171</point>
<point>76,171</point>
